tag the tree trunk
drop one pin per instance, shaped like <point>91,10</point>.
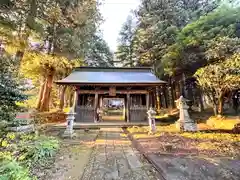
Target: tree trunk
<point>30,21</point>
<point>215,109</point>
<point>48,99</point>
<point>170,93</point>
<point>71,99</point>
<point>63,90</point>
<point>40,95</point>
<point>43,95</point>
<point>46,93</point>
<point>220,104</point>
<point>18,56</point>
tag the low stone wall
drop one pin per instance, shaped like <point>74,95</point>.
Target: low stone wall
<point>49,117</point>
<point>23,128</point>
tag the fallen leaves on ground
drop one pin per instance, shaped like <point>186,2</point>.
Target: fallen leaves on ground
<point>168,139</point>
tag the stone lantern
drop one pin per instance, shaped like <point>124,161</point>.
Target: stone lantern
<point>151,119</point>
<point>69,132</point>
<point>184,123</point>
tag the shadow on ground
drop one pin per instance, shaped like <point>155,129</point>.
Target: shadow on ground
<point>209,154</point>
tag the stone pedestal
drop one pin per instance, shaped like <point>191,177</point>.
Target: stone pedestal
<point>151,119</point>
<point>184,123</point>
<point>24,128</point>
<point>69,132</point>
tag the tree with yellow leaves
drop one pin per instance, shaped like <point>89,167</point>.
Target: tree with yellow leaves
<point>218,79</point>
<point>46,36</point>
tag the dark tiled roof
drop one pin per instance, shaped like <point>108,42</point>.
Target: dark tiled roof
<point>93,75</point>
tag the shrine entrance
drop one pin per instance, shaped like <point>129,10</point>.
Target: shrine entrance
<point>113,109</point>
<point>114,94</point>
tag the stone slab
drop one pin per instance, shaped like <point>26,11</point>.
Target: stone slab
<point>133,161</point>
<point>197,168</point>
<point>120,161</point>
<point>25,128</point>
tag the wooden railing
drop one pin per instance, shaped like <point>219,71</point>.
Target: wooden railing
<point>84,114</point>
<point>138,114</point>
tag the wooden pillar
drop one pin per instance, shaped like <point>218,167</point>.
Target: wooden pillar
<point>147,101</point>
<point>154,97</point>
<point>181,88</point>
<point>101,101</point>
<point>150,99</point>
<point>171,97</point>
<point>158,99</point>
<point>128,107</point>
<point>75,99</point>
<point>95,106</point>
<point>185,92</point>
<point>162,98</point>
<point>165,97</point>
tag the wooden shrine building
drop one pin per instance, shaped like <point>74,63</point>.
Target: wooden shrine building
<point>109,90</point>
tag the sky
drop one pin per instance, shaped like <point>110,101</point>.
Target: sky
<point>115,13</point>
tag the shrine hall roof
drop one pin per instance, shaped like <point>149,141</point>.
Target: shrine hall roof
<point>111,75</point>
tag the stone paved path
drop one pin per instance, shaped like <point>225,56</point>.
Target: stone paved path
<point>72,157</point>
<point>113,158</point>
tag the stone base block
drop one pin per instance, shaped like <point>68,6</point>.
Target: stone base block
<point>24,129</point>
<point>179,125</point>
<point>69,134</point>
<point>190,127</point>
<point>151,132</point>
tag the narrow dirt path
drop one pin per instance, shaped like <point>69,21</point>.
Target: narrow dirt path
<point>114,158</point>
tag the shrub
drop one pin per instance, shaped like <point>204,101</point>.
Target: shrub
<point>11,170</point>
<point>6,156</point>
<point>18,152</point>
<point>39,151</point>
<point>11,89</point>
<point>3,127</point>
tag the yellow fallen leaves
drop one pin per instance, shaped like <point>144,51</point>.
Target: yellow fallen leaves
<point>123,135</point>
<point>219,147</point>
<point>213,136</point>
<point>159,129</point>
<point>169,128</point>
<point>146,135</point>
<point>223,122</point>
<point>136,129</point>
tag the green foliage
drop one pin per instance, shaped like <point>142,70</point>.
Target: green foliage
<point>221,48</point>
<point>27,148</point>
<point>50,36</point>
<point>11,89</point>
<point>173,35</point>
<point>125,54</point>
<point>72,22</point>
<point>6,156</point>
<point>99,54</point>
<point>158,27</point>
<point>12,170</point>
<point>19,153</point>
<point>212,37</point>
<point>221,22</point>
<point>39,151</point>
